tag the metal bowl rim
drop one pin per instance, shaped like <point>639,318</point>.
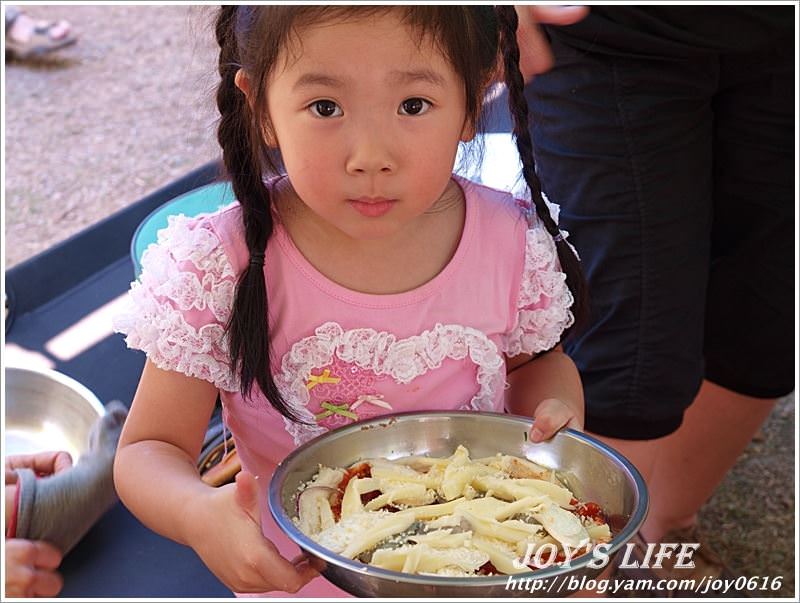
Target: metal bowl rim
<point>65,380</point>
<point>640,504</point>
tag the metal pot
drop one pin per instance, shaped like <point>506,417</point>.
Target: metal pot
<point>47,410</point>
<point>592,470</point>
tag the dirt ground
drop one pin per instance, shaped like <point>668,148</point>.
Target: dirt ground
<point>130,108</point>
<point>99,125</point>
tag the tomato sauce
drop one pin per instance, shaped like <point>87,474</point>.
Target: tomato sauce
<point>591,510</point>
<point>359,471</point>
<point>487,569</point>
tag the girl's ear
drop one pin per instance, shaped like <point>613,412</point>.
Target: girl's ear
<point>468,132</point>
<point>242,82</point>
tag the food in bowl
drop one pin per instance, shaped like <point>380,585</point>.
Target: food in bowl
<point>451,516</point>
<point>589,468</point>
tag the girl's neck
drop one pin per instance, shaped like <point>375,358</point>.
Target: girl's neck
<point>388,265</point>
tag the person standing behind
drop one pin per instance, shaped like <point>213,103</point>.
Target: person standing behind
<point>667,135</point>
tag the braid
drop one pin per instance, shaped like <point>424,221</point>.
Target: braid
<point>248,326</point>
<point>224,27</point>
<point>518,105</point>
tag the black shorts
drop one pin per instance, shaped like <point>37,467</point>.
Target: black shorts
<point>675,177</point>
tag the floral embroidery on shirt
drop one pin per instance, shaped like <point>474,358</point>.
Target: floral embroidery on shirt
<point>339,390</point>
<point>324,377</point>
<point>374,399</point>
<point>371,355</point>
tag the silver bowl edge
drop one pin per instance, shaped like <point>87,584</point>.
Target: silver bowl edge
<point>364,580</point>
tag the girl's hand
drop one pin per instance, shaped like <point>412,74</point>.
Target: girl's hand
<point>227,536</point>
<point>551,415</point>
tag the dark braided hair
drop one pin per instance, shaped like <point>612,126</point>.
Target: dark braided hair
<point>518,105</point>
<point>249,347</point>
<point>251,39</point>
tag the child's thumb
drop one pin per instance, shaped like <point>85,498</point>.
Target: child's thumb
<point>247,494</point>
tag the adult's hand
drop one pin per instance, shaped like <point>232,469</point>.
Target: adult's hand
<point>42,463</point>
<point>30,568</point>
<point>535,55</point>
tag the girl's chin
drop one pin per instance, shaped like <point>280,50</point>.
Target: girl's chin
<point>372,231</point>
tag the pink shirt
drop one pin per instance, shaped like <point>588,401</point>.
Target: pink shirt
<point>440,346</point>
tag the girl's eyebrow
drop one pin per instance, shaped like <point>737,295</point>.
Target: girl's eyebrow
<point>417,75</point>
<point>429,76</point>
<point>308,80</point>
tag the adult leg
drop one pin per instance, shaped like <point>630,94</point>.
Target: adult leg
<point>689,468</point>
<point>749,316</point>
<point>624,145</point>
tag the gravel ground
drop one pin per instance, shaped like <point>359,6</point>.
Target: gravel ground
<point>130,108</point>
<point>96,127</point>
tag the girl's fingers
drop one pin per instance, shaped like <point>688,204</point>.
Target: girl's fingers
<point>280,572</point>
<point>274,569</point>
<point>272,572</point>
<point>293,580</point>
<point>550,416</point>
<point>315,562</point>
<point>306,570</point>
<point>247,495</point>
<point>574,423</point>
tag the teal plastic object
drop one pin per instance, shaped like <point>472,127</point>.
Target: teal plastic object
<point>205,199</point>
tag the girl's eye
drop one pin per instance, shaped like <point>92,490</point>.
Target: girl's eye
<point>325,108</point>
<point>414,106</point>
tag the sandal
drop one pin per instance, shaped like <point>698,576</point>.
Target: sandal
<point>41,40</point>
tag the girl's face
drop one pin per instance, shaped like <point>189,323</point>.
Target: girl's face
<point>368,123</point>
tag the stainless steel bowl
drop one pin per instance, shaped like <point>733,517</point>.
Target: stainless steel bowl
<point>592,470</point>
<point>47,410</point>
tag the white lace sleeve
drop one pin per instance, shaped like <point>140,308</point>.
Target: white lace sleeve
<point>544,300</point>
<point>177,310</point>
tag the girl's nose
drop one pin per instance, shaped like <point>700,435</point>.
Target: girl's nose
<point>370,155</point>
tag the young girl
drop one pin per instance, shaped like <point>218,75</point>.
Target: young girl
<point>361,278</point>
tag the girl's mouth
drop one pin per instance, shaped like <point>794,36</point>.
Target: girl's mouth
<point>372,207</point>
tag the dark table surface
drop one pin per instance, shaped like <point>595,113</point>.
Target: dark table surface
<point>118,557</point>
